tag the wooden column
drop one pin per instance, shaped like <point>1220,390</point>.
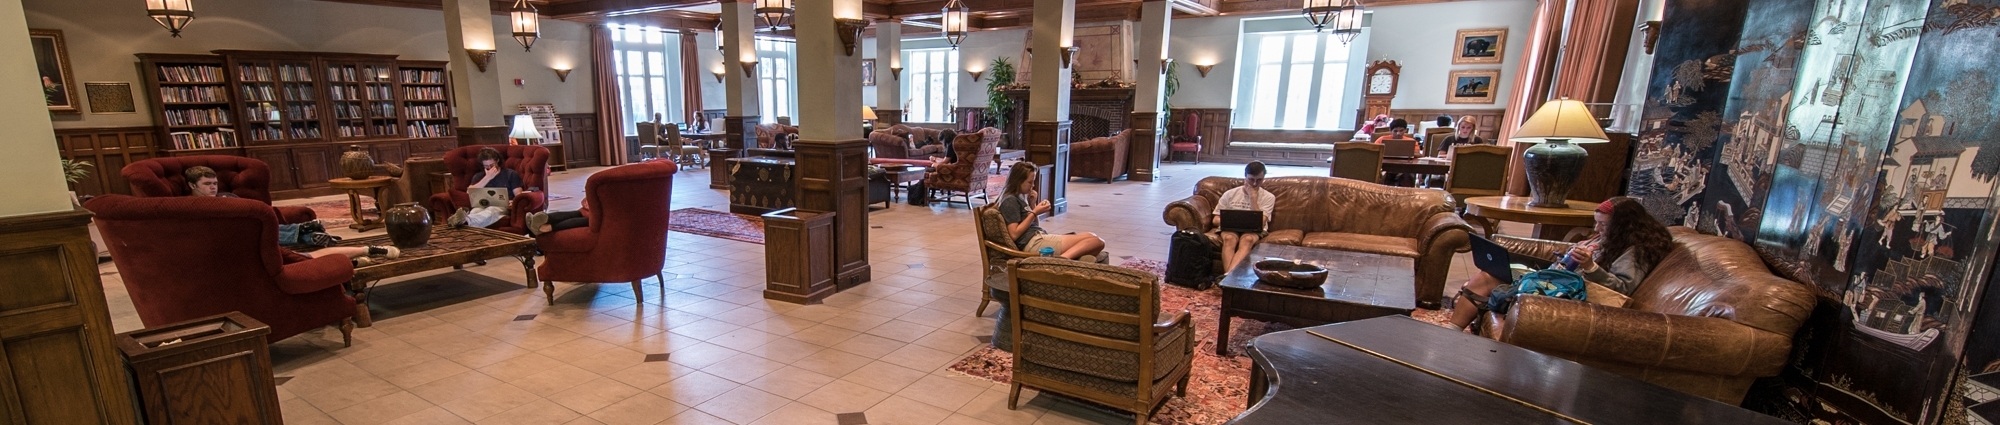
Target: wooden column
<point>1047,127</point>
<point>832,162</point>
<point>55,330</point>
<point>1155,23</point>
<point>739,88</point>
<point>475,90</point>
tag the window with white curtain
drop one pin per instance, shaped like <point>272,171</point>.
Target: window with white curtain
<point>776,76</point>
<point>1291,80</point>
<point>647,61</point>
<point>932,86</point>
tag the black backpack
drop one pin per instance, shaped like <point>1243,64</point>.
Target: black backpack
<point>1191,260</point>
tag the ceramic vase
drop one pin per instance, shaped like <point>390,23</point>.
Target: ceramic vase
<point>356,163</point>
<point>409,225</point>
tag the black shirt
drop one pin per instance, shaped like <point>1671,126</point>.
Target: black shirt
<point>507,179</point>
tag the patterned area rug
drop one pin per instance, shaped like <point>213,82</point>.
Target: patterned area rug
<point>735,227</point>
<point>334,213</point>
<point>1219,385</point>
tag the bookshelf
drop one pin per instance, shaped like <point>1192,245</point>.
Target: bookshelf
<point>426,97</point>
<point>191,102</point>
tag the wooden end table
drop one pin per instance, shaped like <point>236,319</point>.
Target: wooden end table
<point>1358,286</point>
<point>354,188</point>
<point>1488,209</point>
<point>900,179</point>
<point>448,247</point>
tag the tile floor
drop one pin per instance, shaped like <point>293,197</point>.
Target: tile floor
<point>708,349</point>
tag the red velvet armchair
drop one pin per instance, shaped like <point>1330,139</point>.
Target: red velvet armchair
<point>532,162</point>
<point>184,258</point>
<point>246,177</point>
<point>1188,138</point>
<point>627,237</point>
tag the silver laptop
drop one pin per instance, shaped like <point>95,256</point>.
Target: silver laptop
<point>488,196</point>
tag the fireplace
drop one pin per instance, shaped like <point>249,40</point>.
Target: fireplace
<point>1092,113</point>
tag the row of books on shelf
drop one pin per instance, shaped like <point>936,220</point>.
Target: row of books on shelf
<point>432,111</point>
<point>253,72</point>
<point>349,110</point>
<point>350,130</point>
<point>301,112</point>
<point>224,138</point>
<point>307,131</point>
<point>351,92</point>
<point>299,92</point>
<point>205,116</point>
<point>423,93</point>
<point>191,73</point>
<point>194,94</point>
<point>429,130</point>
<point>421,76</point>
<point>347,73</point>
<point>265,133</point>
<point>259,93</point>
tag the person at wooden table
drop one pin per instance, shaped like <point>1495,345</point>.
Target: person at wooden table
<point>1250,196</point>
<point>202,183</point>
<point>1624,246</point>
<point>492,175</point>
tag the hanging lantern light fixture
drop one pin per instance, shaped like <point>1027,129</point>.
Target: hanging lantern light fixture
<point>173,14</point>
<point>1321,12</point>
<point>957,19</point>
<point>719,37</point>
<point>527,24</point>
<point>1347,21</point>
<point>776,14</point>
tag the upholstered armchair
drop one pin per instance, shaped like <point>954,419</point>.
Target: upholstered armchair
<point>1477,170</point>
<point>1708,320</point>
<point>889,145</point>
<point>247,178</point>
<point>184,258</point>
<point>995,250</point>
<point>627,237</point>
<point>1188,138</point>
<point>531,161</point>
<point>1101,158</point>
<point>775,136</point>
<point>1093,331</point>
<point>1357,160</point>
<point>975,162</point>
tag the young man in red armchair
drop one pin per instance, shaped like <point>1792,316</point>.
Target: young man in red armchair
<point>203,183</point>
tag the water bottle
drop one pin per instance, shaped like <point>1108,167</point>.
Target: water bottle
<point>1048,251</point>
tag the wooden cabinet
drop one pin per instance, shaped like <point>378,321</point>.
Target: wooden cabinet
<point>57,362</point>
<point>299,167</point>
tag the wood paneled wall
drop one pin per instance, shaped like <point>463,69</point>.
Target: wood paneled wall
<point>1214,128</point>
<point>579,135</point>
<point>108,149</point>
<point>1489,119</point>
<point>57,361</point>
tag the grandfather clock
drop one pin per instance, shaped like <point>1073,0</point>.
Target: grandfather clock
<point>1382,78</point>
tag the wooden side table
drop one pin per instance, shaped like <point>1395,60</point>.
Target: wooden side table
<point>354,188</point>
<point>1488,209</point>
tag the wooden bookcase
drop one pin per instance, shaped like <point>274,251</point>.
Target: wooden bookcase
<point>297,111</point>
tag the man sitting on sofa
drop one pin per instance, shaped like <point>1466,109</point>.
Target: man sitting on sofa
<point>1250,196</point>
<point>203,183</point>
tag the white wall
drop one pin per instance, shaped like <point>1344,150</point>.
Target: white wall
<point>34,180</point>
<point>1421,37</point>
<point>103,36</point>
<point>978,50</point>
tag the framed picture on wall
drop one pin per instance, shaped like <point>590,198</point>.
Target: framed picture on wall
<point>109,97</point>
<point>1479,46</point>
<point>1472,86</point>
<point>867,72</point>
<point>52,62</point>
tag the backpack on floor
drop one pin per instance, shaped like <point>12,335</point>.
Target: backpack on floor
<point>1191,260</point>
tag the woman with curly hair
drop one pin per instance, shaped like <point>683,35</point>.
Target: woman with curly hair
<point>1624,246</point>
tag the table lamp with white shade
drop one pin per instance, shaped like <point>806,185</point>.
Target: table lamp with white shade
<point>524,130</point>
<point>1556,160</point>
<point>867,115</point>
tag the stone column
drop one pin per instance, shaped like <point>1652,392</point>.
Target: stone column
<point>888,85</point>
<point>832,163</point>
<point>35,180</point>
<point>1047,127</point>
<point>475,93</point>
<point>739,45</point>
<point>1155,23</point>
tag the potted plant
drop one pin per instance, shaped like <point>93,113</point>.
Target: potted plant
<point>74,171</point>
<point>998,105</point>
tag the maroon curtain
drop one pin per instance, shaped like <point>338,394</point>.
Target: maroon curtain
<point>610,107</point>
<point>691,81</point>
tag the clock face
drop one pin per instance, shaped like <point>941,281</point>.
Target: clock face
<point>1381,83</point>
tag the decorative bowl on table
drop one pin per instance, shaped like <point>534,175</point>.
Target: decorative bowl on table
<point>1289,273</point>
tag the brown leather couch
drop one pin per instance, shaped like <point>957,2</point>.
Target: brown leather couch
<point>775,136</point>
<point>1708,320</point>
<point>898,142</point>
<point>1100,158</point>
<point>1348,215</point>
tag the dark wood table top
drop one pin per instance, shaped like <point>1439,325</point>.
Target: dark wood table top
<point>1353,277</point>
<point>904,174</point>
<point>1417,165</point>
<point>448,247</point>
<point>1314,379</point>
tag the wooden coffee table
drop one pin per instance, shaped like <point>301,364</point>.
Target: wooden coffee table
<point>900,178</point>
<point>448,247</point>
<point>1358,286</point>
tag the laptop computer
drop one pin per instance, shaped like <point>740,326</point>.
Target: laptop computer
<point>1243,221</point>
<point>488,196</point>
<point>1494,260</point>
<point>1399,148</point>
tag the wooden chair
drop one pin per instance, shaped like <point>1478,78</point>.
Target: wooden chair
<point>1188,138</point>
<point>1090,331</point>
<point>1477,170</point>
<point>681,152</point>
<point>1357,160</point>
<point>995,250</point>
<point>1434,140</point>
<point>649,139</point>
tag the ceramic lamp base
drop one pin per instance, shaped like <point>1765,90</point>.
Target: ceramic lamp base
<point>1552,167</point>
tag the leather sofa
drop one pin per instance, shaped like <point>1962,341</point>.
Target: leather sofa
<point>1101,158</point>
<point>899,142</point>
<point>247,178</point>
<point>1348,215</point>
<point>1708,320</point>
<point>627,238</point>
<point>532,162</point>
<point>186,258</point>
<point>775,136</point>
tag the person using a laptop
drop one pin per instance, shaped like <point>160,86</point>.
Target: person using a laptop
<point>486,210</point>
<point>1624,246</point>
<point>1248,208</point>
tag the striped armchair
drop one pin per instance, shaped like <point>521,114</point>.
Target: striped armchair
<point>1091,331</point>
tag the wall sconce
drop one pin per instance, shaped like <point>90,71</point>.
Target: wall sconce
<point>479,57</point>
<point>749,68</point>
<point>1203,69</point>
<point>850,32</point>
<point>562,74</point>
<point>896,72</point>
<point>975,74</point>
<point>718,75</point>
<point>1068,53</point>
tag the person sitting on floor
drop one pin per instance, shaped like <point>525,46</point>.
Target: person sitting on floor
<point>492,175</point>
<point>950,149</point>
<point>1250,196</point>
<point>1624,246</point>
<point>202,182</point>
<point>1021,208</point>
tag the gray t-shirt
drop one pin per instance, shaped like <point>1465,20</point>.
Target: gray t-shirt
<point>1013,209</point>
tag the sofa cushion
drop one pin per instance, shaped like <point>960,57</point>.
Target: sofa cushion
<point>1373,244</point>
<point>1294,237</point>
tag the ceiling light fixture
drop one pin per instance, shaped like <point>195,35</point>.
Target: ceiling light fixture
<point>527,24</point>
<point>1347,20</point>
<point>173,14</point>
<point>957,18</point>
<point>776,14</point>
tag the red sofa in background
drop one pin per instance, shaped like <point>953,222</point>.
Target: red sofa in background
<point>532,162</point>
<point>185,258</point>
<point>627,237</point>
<point>246,177</point>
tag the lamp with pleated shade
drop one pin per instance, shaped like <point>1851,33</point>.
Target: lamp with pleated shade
<point>524,130</point>
<point>1555,161</point>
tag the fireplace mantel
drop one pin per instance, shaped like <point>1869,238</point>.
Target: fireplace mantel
<point>1113,105</point>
